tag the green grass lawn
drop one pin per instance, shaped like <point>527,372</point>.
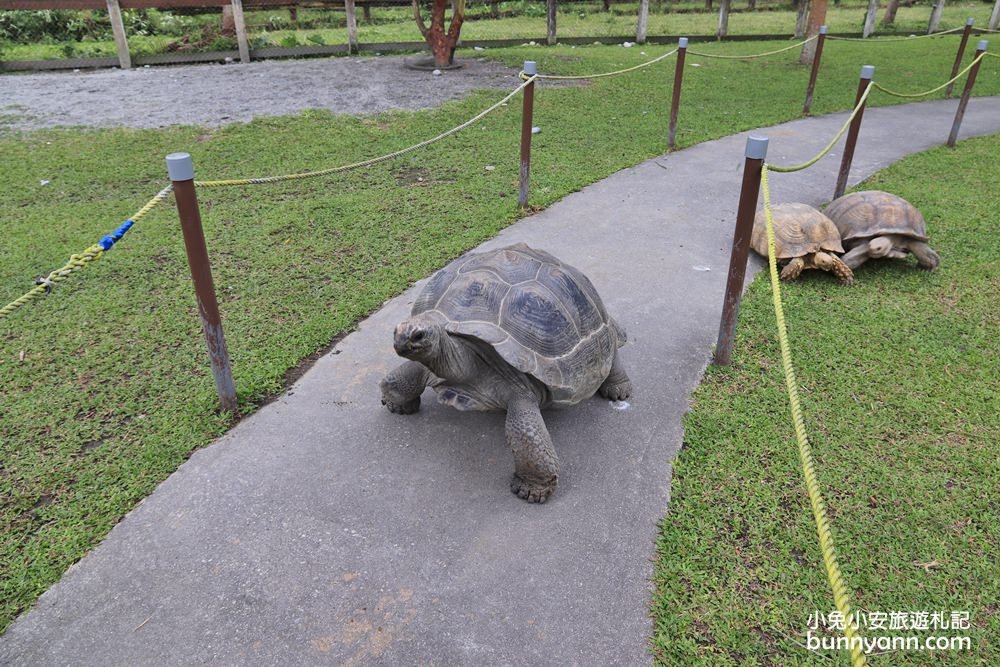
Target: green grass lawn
<point>899,385</point>
<point>397,25</point>
<point>104,384</point>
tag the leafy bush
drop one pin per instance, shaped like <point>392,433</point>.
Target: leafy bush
<point>25,27</point>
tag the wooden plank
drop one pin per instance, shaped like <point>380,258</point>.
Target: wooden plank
<point>241,31</point>
<point>49,65</point>
<point>352,26</point>
<point>186,58</point>
<point>643,22</point>
<point>118,28</point>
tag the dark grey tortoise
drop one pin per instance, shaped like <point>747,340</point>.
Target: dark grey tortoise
<point>512,330</point>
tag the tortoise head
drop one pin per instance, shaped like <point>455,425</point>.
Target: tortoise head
<point>418,338</point>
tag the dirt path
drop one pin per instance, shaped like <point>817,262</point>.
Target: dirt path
<point>220,94</point>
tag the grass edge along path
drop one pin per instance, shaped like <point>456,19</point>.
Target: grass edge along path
<point>898,376</point>
<point>105,388</point>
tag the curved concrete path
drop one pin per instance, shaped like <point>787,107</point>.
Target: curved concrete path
<point>324,530</point>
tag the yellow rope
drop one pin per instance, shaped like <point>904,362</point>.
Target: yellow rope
<point>847,123</point>
<point>991,55</point>
<point>932,90</point>
<point>840,596</point>
<point>615,73</point>
<point>364,163</point>
<point>881,40</point>
<point>755,55</point>
<point>76,262</point>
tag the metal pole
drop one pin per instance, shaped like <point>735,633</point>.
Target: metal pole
<point>530,68</point>
<point>181,170</point>
<point>958,56</point>
<point>815,70</point>
<point>867,72</point>
<point>970,81</point>
<point>675,101</point>
<point>756,151</point>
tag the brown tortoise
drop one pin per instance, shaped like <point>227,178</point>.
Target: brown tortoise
<point>877,224</point>
<point>805,237</point>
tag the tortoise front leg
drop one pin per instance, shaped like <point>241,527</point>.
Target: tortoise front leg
<point>834,265</point>
<point>402,387</point>
<point>793,269</point>
<point>857,255</point>
<point>927,259</point>
<point>536,468</point>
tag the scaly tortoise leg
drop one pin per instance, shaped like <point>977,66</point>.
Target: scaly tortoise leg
<point>617,386</point>
<point>927,259</point>
<point>833,264</point>
<point>793,269</point>
<point>402,387</point>
<point>536,468</point>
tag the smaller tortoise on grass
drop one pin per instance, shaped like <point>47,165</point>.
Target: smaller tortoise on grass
<point>805,237</point>
<point>878,224</point>
<point>512,330</point>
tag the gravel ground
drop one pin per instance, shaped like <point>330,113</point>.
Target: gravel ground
<point>215,95</point>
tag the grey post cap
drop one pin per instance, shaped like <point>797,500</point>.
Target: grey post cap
<point>868,71</point>
<point>180,167</point>
<point>756,147</point>
<point>970,21</point>
<point>982,45</point>
<point>530,67</point>
<point>682,43</point>
<point>822,29</point>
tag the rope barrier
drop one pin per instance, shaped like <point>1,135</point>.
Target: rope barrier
<point>80,260</point>
<point>991,55</point>
<point>847,124</point>
<point>834,576</point>
<point>364,163</point>
<point>932,90</point>
<point>884,40</point>
<point>597,76</point>
<point>754,55</point>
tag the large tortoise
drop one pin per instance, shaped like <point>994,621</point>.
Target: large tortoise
<point>512,330</point>
<point>877,224</point>
<point>803,236</point>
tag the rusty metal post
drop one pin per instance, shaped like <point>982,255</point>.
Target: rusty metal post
<point>675,100</point>
<point>970,81</point>
<point>181,171</point>
<point>530,68</point>
<point>867,72</point>
<point>815,70</point>
<point>756,151</point>
<point>958,56</point>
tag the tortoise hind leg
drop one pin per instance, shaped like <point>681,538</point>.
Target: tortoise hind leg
<point>617,386</point>
<point>536,468</point>
<point>402,387</point>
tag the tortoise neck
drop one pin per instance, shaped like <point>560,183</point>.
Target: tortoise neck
<point>454,358</point>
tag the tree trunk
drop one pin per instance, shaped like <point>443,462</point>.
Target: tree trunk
<point>366,13</point>
<point>800,18</point>
<point>441,41</point>
<point>870,18</point>
<point>935,21</point>
<point>228,28</point>
<point>708,4</point>
<point>550,22</point>
<point>890,12</point>
<point>293,16</point>
<point>817,17</point>
<point>643,22</point>
<point>723,19</point>
<point>751,4</point>
<point>995,16</point>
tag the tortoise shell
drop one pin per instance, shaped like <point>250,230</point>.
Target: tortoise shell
<point>799,230</point>
<point>542,316</point>
<point>871,213</point>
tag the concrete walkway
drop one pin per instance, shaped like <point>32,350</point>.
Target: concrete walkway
<point>325,530</point>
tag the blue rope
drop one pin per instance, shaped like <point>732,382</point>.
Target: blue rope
<point>116,235</point>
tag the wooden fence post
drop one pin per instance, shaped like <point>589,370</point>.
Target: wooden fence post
<point>935,21</point>
<point>723,19</point>
<point>527,111</point>
<point>820,39</point>
<point>550,22</point>
<point>241,30</point>
<point>352,26</point>
<point>643,22</point>
<point>756,151</point>
<point>958,56</point>
<point>970,81</point>
<point>870,19</point>
<point>181,171</point>
<point>995,16</point>
<point>867,72</point>
<point>675,99</point>
<point>118,28</point>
